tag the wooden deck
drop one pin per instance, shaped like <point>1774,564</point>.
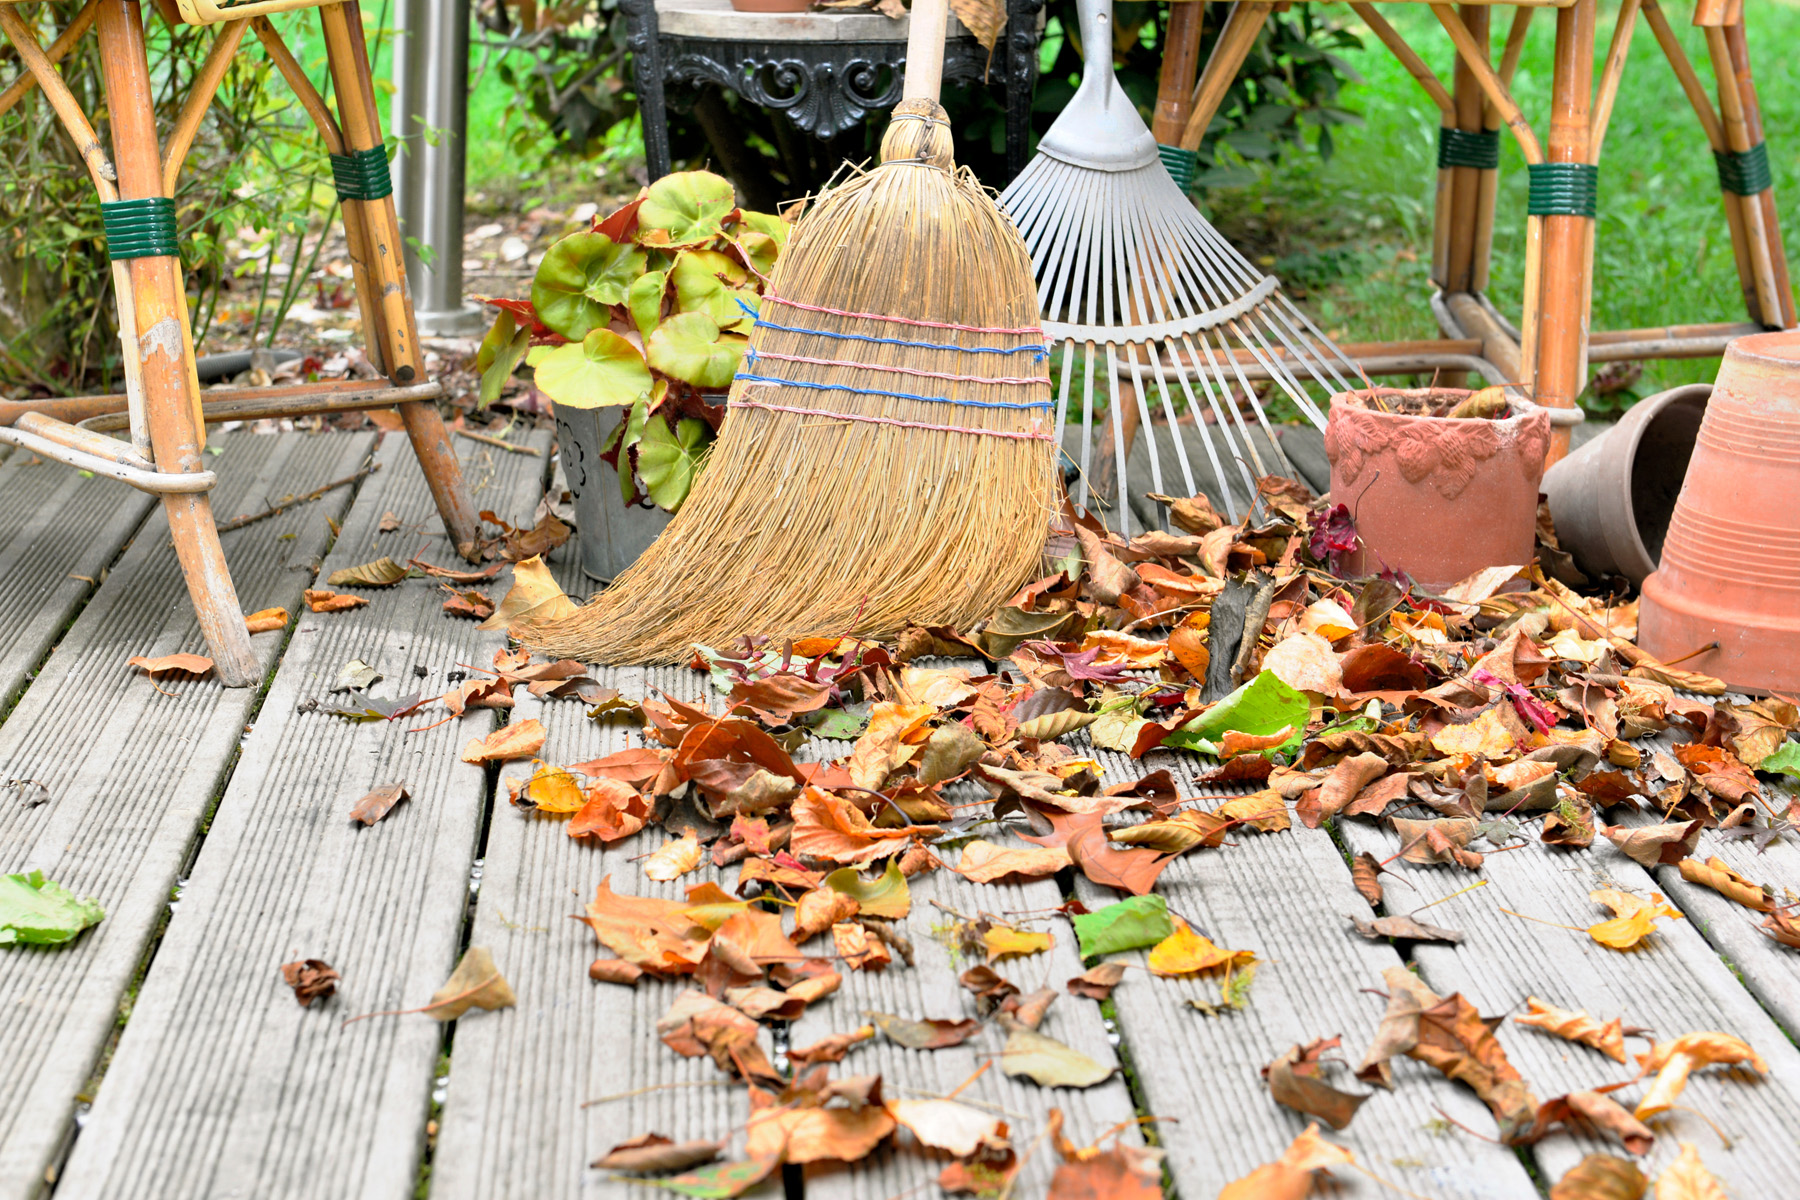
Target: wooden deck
<point>161,1055</point>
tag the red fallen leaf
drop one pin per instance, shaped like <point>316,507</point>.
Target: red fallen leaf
<point>196,665</point>
<point>1378,667</point>
<point>621,226</point>
<point>378,803</point>
<point>1133,871</point>
<point>312,979</point>
<point>636,766</point>
<point>320,600</point>
<point>1294,1081</point>
<point>1719,772</point>
<point>778,698</point>
<point>1063,825</point>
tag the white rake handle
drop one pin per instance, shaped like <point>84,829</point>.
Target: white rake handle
<point>925,49</point>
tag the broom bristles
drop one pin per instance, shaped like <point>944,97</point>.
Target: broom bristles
<point>805,525</point>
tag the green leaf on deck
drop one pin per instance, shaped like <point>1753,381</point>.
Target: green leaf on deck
<point>1262,707</point>
<point>40,912</point>
<point>720,1182</point>
<point>887,896</point>
<point>1786,760</point>
<point>1127,925</point>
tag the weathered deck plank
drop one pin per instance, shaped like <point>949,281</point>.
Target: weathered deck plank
<point>58,533</point>
<point>222,1085</point>
<point>1286,897</point>
<point>513,1121</point>
<point>131,768</point>
<point>1673,982</point>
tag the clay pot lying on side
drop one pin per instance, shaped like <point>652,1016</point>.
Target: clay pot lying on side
<point>1435,496</point>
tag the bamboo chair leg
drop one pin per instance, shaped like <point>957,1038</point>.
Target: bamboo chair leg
<point>171,392</point>
<point>1235,41</point>
<point>1465,182</point>
<point>1563,288</point>
<point>1780,282</point>
<point>1181,63</point>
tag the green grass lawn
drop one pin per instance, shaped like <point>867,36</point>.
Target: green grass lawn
<point>1355,233</point>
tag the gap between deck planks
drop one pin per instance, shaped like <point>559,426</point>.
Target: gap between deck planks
<point>130,770</point>
<point>222,1086</point>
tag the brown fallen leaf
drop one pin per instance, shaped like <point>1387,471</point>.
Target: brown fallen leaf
<point>1453,1038</point>
<point>471,604</point>
<point>1291,1176</point>
<point>989,987</point>
<point>1596,1109</point>
<point>1438,840</point>
<point>320,600</point>
<point>1294,1080</point>
<point>1046,1061</point>
<point>378,803</point>
<point>1674,1060</point>
<point>1123,1172</point>
<point>1176,835</point>
<point>1349,777</point>
<point>1688,1179</point>
<point>1782,928</point>
<point>458,575</point>
<point>534,597</point>
<point>830,1049</point>
<point>509,742</point>
<point>818,1134</point>
<point>267,620</point>
<point>820,909</point>
<point>1601,1177</point>
<point>1656,845</point>
<point>197,665</point>
<point>521,543</point>
<point>1717,875</point>
<point>1263,811</point>
<point>476,983</point>
<point>860,949</point>
<point>652,1153</point>
<point>1097,983</point>
<point>1404,928</point>
<point>312,979</point>
<point>928,1034</point>
<point>1366,873</point>
<point>1134,870</point>
<point>383,572</point>
<point>1029,1011</point>
<point>1576,1025</point>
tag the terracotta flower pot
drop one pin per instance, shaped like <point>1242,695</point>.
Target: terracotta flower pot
<point>1612,499</point>
<point>1730,570</point>
<point>771,6</point>
<point>1436,497</point>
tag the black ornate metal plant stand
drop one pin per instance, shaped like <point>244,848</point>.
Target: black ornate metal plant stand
<point>824,87</point>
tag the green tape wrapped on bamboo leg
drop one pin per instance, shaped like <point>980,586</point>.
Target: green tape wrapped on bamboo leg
<point>362,174</point>
<point>1468,148</point>
<point>139,228</point>
<point>1745,172</point>
<point>1563,189</point>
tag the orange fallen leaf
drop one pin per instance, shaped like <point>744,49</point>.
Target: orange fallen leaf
<point>859,949</point>
<point>1688,1179</point>
<point>266,620</point>
<point>895,733</point>
<point>610,811</point>
<point>1674,1060</point>
<point>828,826</point>
<point>196,665</point>
<point>1576,1026</point>
<point>378,803</point>
<point>509,742</point>
<point>1290,1176</point>
<point>320,600</point>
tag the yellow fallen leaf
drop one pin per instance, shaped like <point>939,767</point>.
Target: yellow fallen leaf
<point>1003,942</point>
<point>1264,811</point>
<point>1124,650</point>
<point>1673,1060</point>
<point>1328,619</point>
<point>265,620</point>
<point>534,595</point>
<point>1687,1179</point>
<point>984,862</point>
<point>674,860</point>
<point>550,790</point>
<point>1425,628</point>
<point>1634,917</point>
<point>521,740</point>
<point>1486,735</point>
<point>1185,952</point>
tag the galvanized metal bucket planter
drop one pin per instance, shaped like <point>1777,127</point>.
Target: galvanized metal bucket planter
<point>611,535</point>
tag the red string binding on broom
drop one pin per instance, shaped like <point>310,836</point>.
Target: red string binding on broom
<point>841,416</point>
<point>1036,330</point>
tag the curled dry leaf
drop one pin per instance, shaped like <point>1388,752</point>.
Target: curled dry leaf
<point>196,665</point>
<point>1656,845</point>
<point>947,1125</point>
<point>859,948</point>
<point>1291,1176</point>
<point>1634,918</point>
<point>928,1034</point>
<point>819,909</point>
<point>476,983</point>
<point>1596,1109</point>
<point>1576,1025</point>
<point>1688,1179</point>
<point>267,620</point>
<point>1674,1060</point>
<point>674,860</point>
<point>320,600</point>
<point>1097,983</point>
<point>1366,873</point>
<point>1294,1080</point>
<point>615,970</point>
<point>1601,1177</point>
<point>1782,928</point>
<point>312,979</point>
<point>1047,1061</point>
<point>1406,929</point>
<point>1134,870</point>
<point>1717,875</point>
<point>652,1153</point>
<point>1054,725</point>
<point>830,1049</point>
<point>378,803</point>
<point>989,987</point>
<point>1178,834</point>
<point>1439,840</point>
<point>383,572</point>
<point>509,742</point>
<point>534,596</point>
<point>984,862</point>
<point>470,604</point>
<point>1349,777</point>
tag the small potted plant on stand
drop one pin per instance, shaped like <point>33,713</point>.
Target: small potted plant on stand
<point>634,330</point>
<point>1440,482</point>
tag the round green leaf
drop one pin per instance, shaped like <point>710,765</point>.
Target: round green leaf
<point>761,249</point>
<point>767,224</point>
<point>645,301</point>
<point>712,283</point>
<point>501,351</point>
<point>690,347</point>
<point>685,209</point>
<point>580,278</point>
<point>669,459</point>
<point>600,371</point>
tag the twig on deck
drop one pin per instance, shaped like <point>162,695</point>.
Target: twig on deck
<point>288,502</point>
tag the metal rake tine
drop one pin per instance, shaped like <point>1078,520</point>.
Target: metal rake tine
<point>1174,427</point>
<point>1278,373</point>
<point>1343,384</point>
<point>1116,415</point>
<point>1235,410</point>
<point>1200,424</point>
<point>1145,425</point>
<point>1262,419</point>
<point>1087,421</point>
<point>1220,421</point>
<point>1062,395</point>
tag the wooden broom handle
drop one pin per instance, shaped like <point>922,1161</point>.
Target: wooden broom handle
<point>925,49</point>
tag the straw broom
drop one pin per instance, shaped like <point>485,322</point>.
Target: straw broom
<point>888,460</point>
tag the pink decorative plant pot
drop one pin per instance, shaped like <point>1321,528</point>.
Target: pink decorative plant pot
<point>1730,567</point>
<point>1434,496</point>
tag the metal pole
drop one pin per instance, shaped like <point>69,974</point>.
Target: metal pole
<point>431,120</point>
